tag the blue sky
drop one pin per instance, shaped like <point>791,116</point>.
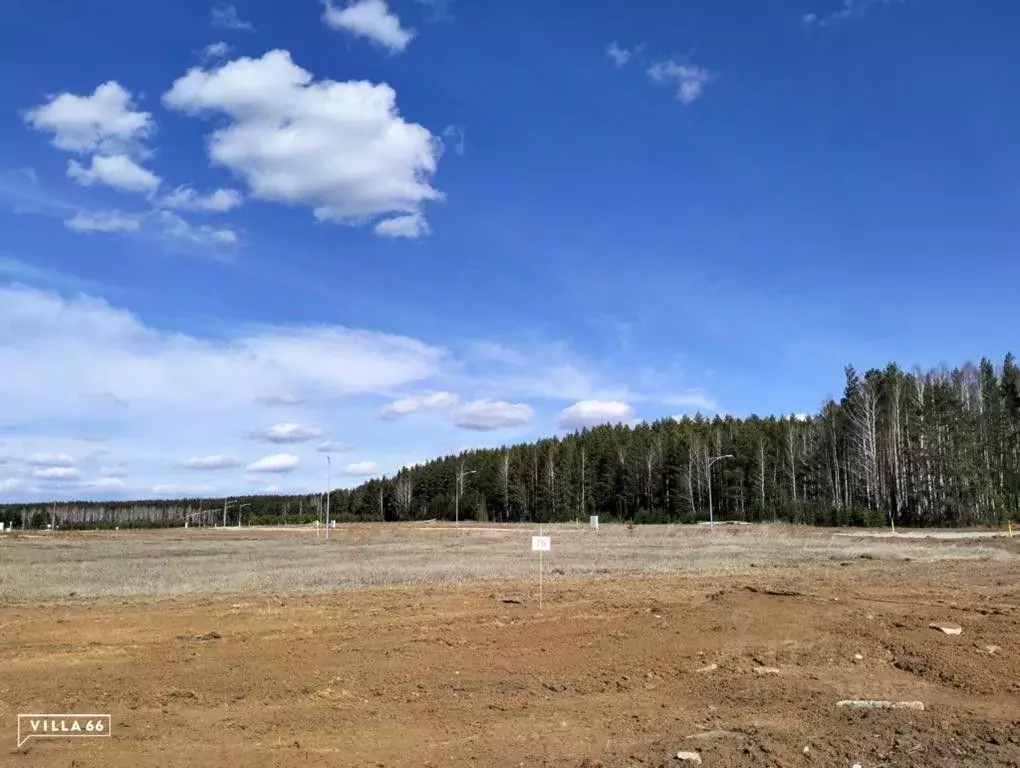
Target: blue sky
<point>238,238</point>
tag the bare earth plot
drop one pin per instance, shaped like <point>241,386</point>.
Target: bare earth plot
<point>254,648</point>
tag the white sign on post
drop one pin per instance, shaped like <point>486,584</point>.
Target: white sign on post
<point>593,522</point>
<point>541,544</point>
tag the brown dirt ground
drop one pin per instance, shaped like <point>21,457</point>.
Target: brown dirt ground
<point>604,675</point>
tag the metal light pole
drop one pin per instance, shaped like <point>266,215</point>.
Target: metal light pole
<point>225,505</point>
<point>711,517</point>
<point>329,487</point>
<point>239,513</point>
<point>457,491</point>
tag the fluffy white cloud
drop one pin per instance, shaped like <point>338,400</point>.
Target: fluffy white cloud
<point>225,16</point>
<point>280,462</point>
<point>55,473</point>
<point>211,463</point>
<point>340,147</point>
<point>371,19</point>
<point>415,404</point>
<point>104,122</point>
<point>51,460</point>
<point>361,469</point>
<point>590,413</point>
<point>411,226</point>
<point>185,198</point>
<point>104,221</point>
<point>484,415</point>
<point>689,79</point>
<point>117,171</point>
<point>287,433</point>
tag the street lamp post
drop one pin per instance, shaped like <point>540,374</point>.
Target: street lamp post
<point>242,506</point>
<point>329,488</point>
<point>711,516</point>
<point>461,474</point>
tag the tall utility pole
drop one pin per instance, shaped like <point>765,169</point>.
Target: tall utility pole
<point>711,517</point>
<point>329,487</point>
<point>461,473</point>
<point>225,505</point>
<point>242,506</point>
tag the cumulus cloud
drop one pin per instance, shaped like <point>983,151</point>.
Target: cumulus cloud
<point>340,147</point>
<point>280,462</point>
<point>361,469</point>
<point>485,415</point>
<point>103,221</point>
<point>371,19</point>
<point>104,122</point>
<point>689,79</point>
<point>225,16</point>
<point>590,413</point>
<point>287,433</point>
<point>184,198</point>
<point>418,403</point>
<point>117,171</point>
<point>210,463</point>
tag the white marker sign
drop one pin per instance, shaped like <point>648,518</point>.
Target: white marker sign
<point>593,522</point>
<point>541,543</point>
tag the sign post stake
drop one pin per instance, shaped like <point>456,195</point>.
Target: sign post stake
<point>540,544</point>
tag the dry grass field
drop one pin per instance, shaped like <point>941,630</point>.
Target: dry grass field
<point>417,645</point>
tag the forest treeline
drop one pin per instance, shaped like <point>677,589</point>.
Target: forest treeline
<point>921,448</point>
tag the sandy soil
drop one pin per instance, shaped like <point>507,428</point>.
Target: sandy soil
<point>613,671</point>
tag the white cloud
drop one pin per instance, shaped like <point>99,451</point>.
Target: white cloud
<point>185,198</point>
<point>113,472</point>
<point>694,399</point>
<point>104,122</point>
<point>689,79</point>
<point>329,446</point>
<point>178,227</point>
<point>415,404</point>
<point>280,462</point>
<point>371,19</point>
<point>11,484</point>
<point>224,16</point>
<point>340,147</point>
<point>590,413</point>
<point>361,469</point>
<point>216,50</point>
<point>51,460</point>
<point>620,56</point>
<point>411,226</point>
<point>117,171</point>
<point>103,221</point>
<point>287,433</point>
<point>211,463</point>
<point>64,347</point>
<point>484,415</point>
<point>55,473</point>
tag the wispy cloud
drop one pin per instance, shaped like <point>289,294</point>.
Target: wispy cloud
<point>689,79</point>
<point>847,11</point>
<point>225,16</point>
